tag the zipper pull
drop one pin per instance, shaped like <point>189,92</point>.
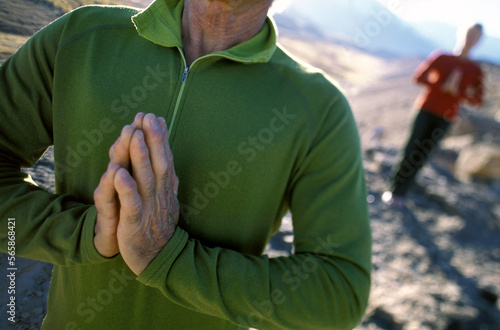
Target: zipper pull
<point>185,74</point>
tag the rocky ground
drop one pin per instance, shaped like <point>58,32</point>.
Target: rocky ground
<point>436,261</point>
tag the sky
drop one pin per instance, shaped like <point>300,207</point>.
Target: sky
<point>454,12</point>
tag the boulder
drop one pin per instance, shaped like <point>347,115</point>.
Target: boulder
<point>479,161</point>
<point>464,125</point>
<point>457,142</point>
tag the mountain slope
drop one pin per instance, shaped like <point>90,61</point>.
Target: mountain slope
<point>25,17</point>
<point>19,19</point>
<point>445,35</point>
<point>364,24</point>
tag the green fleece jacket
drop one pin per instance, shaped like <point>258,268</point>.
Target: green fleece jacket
<point>254,133</point>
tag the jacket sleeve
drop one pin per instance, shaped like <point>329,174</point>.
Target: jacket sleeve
<point>323,285</point>
<point>421,74</point>
<point>49,227</point>
<point>474,94</point>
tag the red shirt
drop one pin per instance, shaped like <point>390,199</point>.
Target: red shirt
<point>435,72</point>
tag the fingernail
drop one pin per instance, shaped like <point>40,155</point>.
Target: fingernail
<point>140,135</point>
<point>138,118</point>
<point>163,123</point>
<point>125,129</point>
<point>154,123</point>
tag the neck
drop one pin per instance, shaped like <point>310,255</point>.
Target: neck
<point>210,26</point>
<point>464,53</point>
<point>466,49</point>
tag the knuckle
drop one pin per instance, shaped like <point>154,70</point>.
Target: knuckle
<point>156,136</point>
<point>143,156</point>
<point>163,169</point>
<point>127,129</point>
<point>97,194</point>
<point>140,154</point>
<point>132,210</point>
<point>135,206</point>
<point>170,158</point>
<point>122,184</point>
<point>111,151</point>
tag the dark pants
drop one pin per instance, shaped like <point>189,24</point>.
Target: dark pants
<point>428,129</point>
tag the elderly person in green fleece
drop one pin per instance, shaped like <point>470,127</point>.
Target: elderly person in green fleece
<point>125,96</point>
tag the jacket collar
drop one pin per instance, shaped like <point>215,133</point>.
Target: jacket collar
<point>160,23</point>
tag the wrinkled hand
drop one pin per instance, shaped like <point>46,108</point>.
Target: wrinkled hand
<point>105,198</point>
<point>143,219</point>
<point>149,210</point>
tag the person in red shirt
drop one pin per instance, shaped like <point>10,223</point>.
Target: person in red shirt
<point>449,80</point>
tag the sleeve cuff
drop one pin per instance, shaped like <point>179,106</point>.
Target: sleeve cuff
<point>89,252</point>
<point>155,274</point>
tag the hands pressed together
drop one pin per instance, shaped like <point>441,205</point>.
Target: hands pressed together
<point>136,199</point>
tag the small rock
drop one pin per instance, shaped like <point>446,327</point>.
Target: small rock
<point>463,126</point>
<point>479,161</point>
<point>385,319</point>
<point>489,296</point>
<point>454,325</point>
<point>457,143</point>
<point>496,211</point>
<point>37,311</point>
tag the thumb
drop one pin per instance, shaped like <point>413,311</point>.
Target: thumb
<point>130,200</point>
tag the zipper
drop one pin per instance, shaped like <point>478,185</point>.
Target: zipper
<point>179,96</point>
<point>185,74</point>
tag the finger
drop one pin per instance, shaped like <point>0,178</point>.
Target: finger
<point>164,129</point>
<point>173,176</point>
<point>155,142</point>
<point>166,136</point>
<point>107,205</point>
<point>119,151</point>
<point>139,117</point>
<point>130,200</point>
<point>105,198</point>
<point>141,166</point>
